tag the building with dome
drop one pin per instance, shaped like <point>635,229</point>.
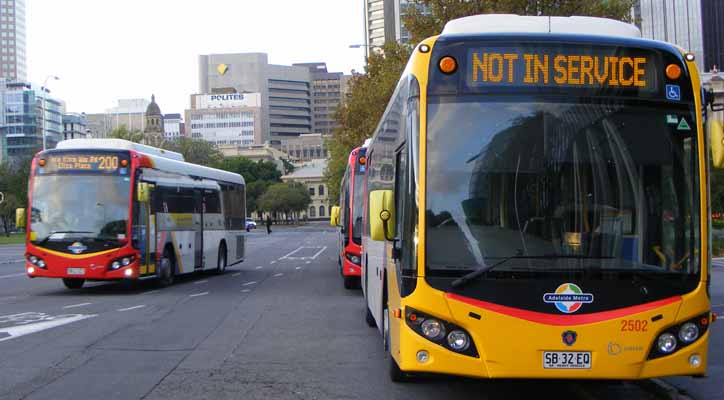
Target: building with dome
<point>153,127</point>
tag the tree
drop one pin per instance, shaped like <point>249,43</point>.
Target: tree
<point>122,132</point>
<point>195,151</point>
<point>7,211</point>
<point>288,198</point>
<point>427,17</point>
<point>252,171</point>
<point>363,107</point>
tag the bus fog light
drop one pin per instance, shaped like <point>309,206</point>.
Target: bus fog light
<point>126,261</point>
<point>688,332</point>
<point>128,272</point>
<point>433,329</point>
<point>31,270</point>
<point>423,356</point>
<point>666,343</point>
<point>695,360</point>
<point>41,264</point>
<point>458,340</point>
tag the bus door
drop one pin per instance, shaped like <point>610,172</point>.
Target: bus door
<point>143,235</point>
<point>198,230</point>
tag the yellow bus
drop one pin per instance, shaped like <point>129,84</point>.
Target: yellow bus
<point>537,205</point>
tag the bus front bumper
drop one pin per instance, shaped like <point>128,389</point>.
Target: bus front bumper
<point>90,272</point>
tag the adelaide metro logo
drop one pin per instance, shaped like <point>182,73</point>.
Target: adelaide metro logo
<point>568,298</point>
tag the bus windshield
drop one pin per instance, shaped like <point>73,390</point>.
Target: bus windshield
<point>358,202</point>
<point>548,185</point>
<point>85,208</point>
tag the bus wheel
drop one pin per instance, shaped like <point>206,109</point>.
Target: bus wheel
<point>221,262</point>
<point>73,283</point>
<point>370,319</point>
<point>396,374</point>
<point>165,270</point>
<point>350,282</point>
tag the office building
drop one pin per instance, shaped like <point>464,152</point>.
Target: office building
<point>28,115</point>
<point>173,126</point>
<point>284,90</point>
<point>226,119</point>
<point>328,89</point>
<point>129,112</point>
<point>75,126</point>
<point>673,21</point>
<point>383,22</point>
<point>712,18</point>
<point>12,40</point>
<point>307,147</point>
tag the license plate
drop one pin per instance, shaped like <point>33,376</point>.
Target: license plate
<point>76,271</point>
<point>567,359</point>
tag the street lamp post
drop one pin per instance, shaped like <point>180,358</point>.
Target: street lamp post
<point>44,88</point>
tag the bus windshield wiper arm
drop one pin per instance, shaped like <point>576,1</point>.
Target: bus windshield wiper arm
<point>44,240</point>
<point>482,270</point>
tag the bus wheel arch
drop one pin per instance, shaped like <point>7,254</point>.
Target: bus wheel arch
<point>222,261</point>
<point>167,266</point>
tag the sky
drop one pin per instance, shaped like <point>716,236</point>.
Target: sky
<point>105,50</point>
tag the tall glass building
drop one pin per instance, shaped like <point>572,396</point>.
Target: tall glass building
<point>673,21</point>
<point>12,40</point>
<point>26,114</point>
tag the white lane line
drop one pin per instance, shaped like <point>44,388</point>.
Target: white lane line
<point>22,330</point>
<point>77,305</point>
<point>278,275</point>
<point>12,275</point>
<point>199,294</point>
<point>236,274</point>
<point>259,267</point>
<point>272,262</point>
<point>245,290</point>
<point>308,262</point>
<point>717,305</point>
<point>132,308</point>
<point>248,283</point>
<point>151,291</point>
<point>298,268</point>
<point>319,252</point>
<point>198,282</point>
<point>302,247</point>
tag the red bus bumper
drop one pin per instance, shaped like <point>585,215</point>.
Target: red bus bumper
<point>350,269</point>
<point>92,266</point>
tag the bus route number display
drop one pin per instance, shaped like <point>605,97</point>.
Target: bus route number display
<point>99,163</point>
<point>560,68</point>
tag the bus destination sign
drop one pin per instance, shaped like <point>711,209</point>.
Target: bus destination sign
<point>580,67</point>
<point>105,163</point>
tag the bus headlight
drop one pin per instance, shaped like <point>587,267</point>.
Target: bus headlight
<point>33,260</point>
<point>41,264</point>
<point>688,332</point>
<point>353,258</point>
<point>666,343</point>
<point>126,261</point>
<point>433,329</point>
<point>458,340</point>
<point>115,265</point>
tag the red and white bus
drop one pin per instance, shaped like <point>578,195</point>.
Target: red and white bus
<point>109,209</point>
<point>349,218</point>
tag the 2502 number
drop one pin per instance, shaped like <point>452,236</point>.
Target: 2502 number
<point>634,325</point>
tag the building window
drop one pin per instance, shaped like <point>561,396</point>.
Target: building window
<point>312,212</point>
<point>311,191</point>
<point>321,211</point>
<point>321,192</point>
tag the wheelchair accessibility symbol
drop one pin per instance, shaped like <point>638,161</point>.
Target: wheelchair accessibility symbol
<point>673,92</point>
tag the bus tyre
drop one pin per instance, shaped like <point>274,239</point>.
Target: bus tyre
<point>166,270</point>
<point>221,262</point>
<point>73,283</point>
<point>396,374</point>
<point>350,282</point>
<point>370,319</point>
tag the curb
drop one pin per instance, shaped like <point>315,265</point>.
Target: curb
<point>664,389</point>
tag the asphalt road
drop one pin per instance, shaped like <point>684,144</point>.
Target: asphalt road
<point>278,326</point>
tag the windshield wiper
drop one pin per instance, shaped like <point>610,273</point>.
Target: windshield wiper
<point>45,240</point>
<point>482,270</point>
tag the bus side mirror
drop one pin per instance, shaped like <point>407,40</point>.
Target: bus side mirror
<point>715,128</point>
<point>143,192</point>
<point>334,218</point>
<point>20,218</point>
<point>382,215</point>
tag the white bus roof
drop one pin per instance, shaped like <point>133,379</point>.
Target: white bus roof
<point>511,23</point>
<point>117,144</point>
<point>163,160</point>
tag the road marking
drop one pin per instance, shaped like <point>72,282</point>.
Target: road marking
<point>199,294</point>
<point>12,275</point>
<point>278,275</point>
<point>259,267</point>
<point>272,262</point>
<point>245,290</point>
<point>717,305</point>
<point>288,255</point>
<point>308,262</point>
<point>236,274</point>
<point>248,283</point>
<point>198,282</point>
<point>298,268</point>
<point>22,330</point>
<point>78,305</point>
<point>319,252</point>
<point>151,291</point>
<point>131,308</point>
